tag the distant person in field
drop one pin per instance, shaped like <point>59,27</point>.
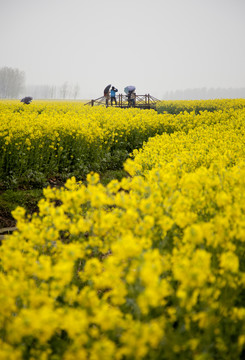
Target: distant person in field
<point>113,95</point>
<point>26,100</point>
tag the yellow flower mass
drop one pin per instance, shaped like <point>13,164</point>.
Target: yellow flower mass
<point>149,267</point>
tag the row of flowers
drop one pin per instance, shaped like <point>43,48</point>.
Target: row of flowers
<point>51,138</point>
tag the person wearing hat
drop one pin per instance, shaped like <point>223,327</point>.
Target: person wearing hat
<point>113,95</point>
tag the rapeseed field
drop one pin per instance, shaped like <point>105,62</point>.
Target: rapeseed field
<point>52,138</point>
<point>149,267</point>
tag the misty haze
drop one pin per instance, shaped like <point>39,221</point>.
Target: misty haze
<point>190,49</point>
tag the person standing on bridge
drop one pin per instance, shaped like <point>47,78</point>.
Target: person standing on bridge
<point>113,95</point>
<point>107,97</point>
<point>131,98</point>
<point>107,94</point>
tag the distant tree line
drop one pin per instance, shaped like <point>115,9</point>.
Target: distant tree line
<point>64,91</point>
<point>12,82</point>
<point>12,86</point>
<point>205,94</point>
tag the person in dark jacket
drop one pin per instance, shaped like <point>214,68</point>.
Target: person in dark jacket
<point>113,95</point>
<point>107,98</point>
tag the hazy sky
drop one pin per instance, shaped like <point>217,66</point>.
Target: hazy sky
<point>156,45</point>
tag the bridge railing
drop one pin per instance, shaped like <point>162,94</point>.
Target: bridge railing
<point>122,101</point>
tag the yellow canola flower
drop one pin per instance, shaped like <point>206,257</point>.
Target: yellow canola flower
<point>229,262</point>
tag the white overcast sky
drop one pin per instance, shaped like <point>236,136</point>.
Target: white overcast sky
<point>156,45</point>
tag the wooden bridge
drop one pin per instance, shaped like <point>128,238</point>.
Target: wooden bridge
<point>142,102</point>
